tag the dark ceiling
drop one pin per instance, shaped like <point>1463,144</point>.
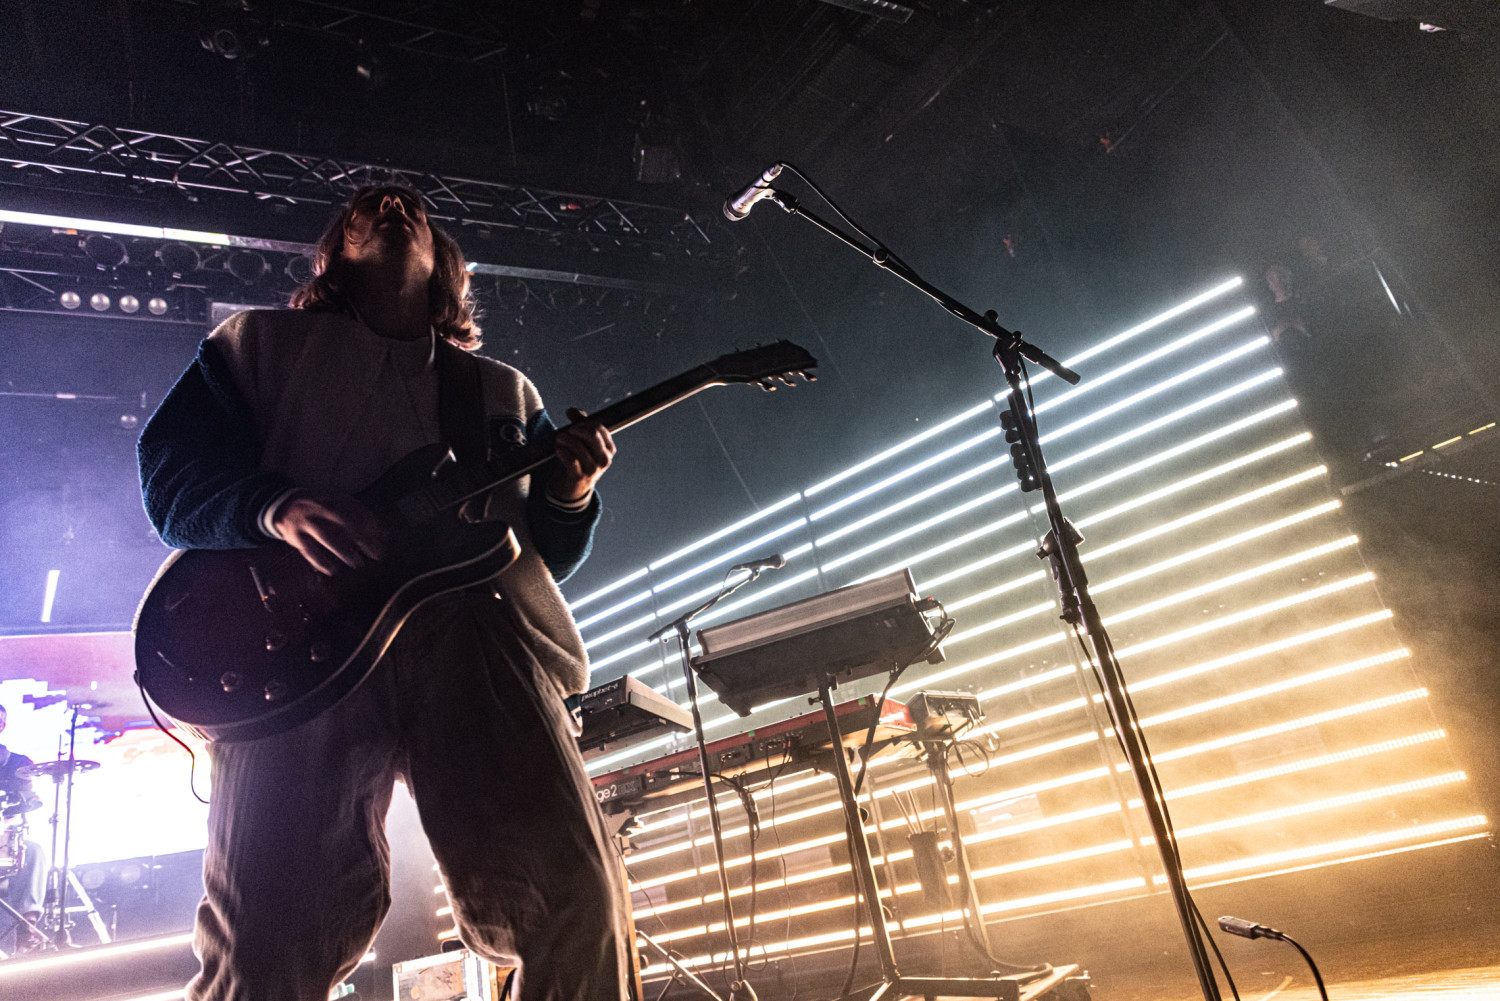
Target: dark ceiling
<point>1069,164</point>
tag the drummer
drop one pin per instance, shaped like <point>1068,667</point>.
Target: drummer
<point>27,886</point>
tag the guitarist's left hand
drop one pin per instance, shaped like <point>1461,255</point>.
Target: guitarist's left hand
<point>584,451</point>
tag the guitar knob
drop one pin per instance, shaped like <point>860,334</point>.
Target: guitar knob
<point>230,680</point>
<point>274,690</point>
<point>275,641</point>
<point>319,652</point>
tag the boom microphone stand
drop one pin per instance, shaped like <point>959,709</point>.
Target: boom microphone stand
<point>1060,545</point>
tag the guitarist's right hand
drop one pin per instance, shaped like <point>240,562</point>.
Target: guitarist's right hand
<point>330,530</point>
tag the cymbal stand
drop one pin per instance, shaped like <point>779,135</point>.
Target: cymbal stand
<point>60,878</point>
<point>739,988</point>
<point>1060,547</point>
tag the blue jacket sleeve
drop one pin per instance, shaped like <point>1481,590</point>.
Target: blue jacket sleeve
<point>562,539</point>
<point>199,455</point>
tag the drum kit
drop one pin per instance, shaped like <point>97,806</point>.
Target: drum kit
<point>54,929</point>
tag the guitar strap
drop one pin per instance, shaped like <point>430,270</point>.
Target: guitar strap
<point>461,403</point>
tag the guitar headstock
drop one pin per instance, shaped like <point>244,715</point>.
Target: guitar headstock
<point>780,363</point>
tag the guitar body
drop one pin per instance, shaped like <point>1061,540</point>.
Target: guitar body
<point>244,643</point>
<point>236,644</point>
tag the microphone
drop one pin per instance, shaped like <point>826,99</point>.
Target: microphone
<point>1247,929</point>
<point>773,562</point>
<point>739,206</point>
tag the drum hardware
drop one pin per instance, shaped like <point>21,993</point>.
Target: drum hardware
<point>55,924</point>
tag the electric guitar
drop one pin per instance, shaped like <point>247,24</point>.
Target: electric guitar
<point>236,644</point>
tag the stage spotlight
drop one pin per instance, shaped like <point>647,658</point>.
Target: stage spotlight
<point>99,301</point>
<point>70,300</point>
<point>105,251</point>
<point>300,269</point>
<point>129,304</point>
<point>246,265</point>
<point>178,258</point>
<point>156,305</point>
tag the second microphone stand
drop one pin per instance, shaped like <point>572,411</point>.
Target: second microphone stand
<point>739,988</point>
<point>1060,546</point>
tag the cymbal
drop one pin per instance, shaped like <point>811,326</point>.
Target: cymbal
<point>56,769</point>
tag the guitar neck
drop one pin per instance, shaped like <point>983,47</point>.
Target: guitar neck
<point>467,482</point>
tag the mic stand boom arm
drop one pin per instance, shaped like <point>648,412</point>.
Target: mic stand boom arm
<point>1061,547</point>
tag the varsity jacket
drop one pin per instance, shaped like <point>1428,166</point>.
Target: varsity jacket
<point>280,399</point>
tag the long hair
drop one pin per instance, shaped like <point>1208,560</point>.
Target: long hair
<point>451,306</point>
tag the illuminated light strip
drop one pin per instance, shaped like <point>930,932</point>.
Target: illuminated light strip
<point>14,966</point>
<point>1275,646</point>
<point>1046,860</point>
<point>1161,387</point>
<point>1196,479</point>
<point>1051,639</point>
<point>608,589</point>
<point>618,631</point>
<point>1249,613</point>
<point>1155,321</point>
<point>1129,470</point>
<point>897,507</point>
<point>1316,806</point>
<point>710,539</point>
<point>1208,512</point>
<point>758,596</point>
<point>117,228</point>
<point>729,554</point>
<point>703,567</point>
<point>906,473</point>
<point>1105,345</point>
<point>931,522</point>
<point>1172,418</point>
<point>1098,890</point>
<point>1420,846</point>
<point>900,447</point>
<point>1175,561</point>
<point>1090,452</point>
<point>1187,340</point>
<point>50,594</point>
<point>1024,827</point>
<point>1067,429</point>
<point>943,547</point>
<point>1275,687</point>
<point>1273,729</point>
<point>619,655</point>
<point>1176,451</point>
<point>619,606</point>
<point>1224,582</point>
<point>1221,622</point>
<point>998,589</point>
<point>791,818</point>
<point>985,628</point>
<point>1189,519</point>
<point>923,921</point>
<point>1321,761</point>
<point>1218,744</point>
<point>1335,847</point>
<point>1167,717</point>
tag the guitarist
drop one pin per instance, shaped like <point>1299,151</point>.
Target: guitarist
<point>281,417</point>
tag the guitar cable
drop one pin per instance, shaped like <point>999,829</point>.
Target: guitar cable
<point>192,758</point>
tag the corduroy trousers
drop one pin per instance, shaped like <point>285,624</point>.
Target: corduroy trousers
<point>297,867</point>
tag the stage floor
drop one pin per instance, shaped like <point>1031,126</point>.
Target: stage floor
<point>1473,984</point>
